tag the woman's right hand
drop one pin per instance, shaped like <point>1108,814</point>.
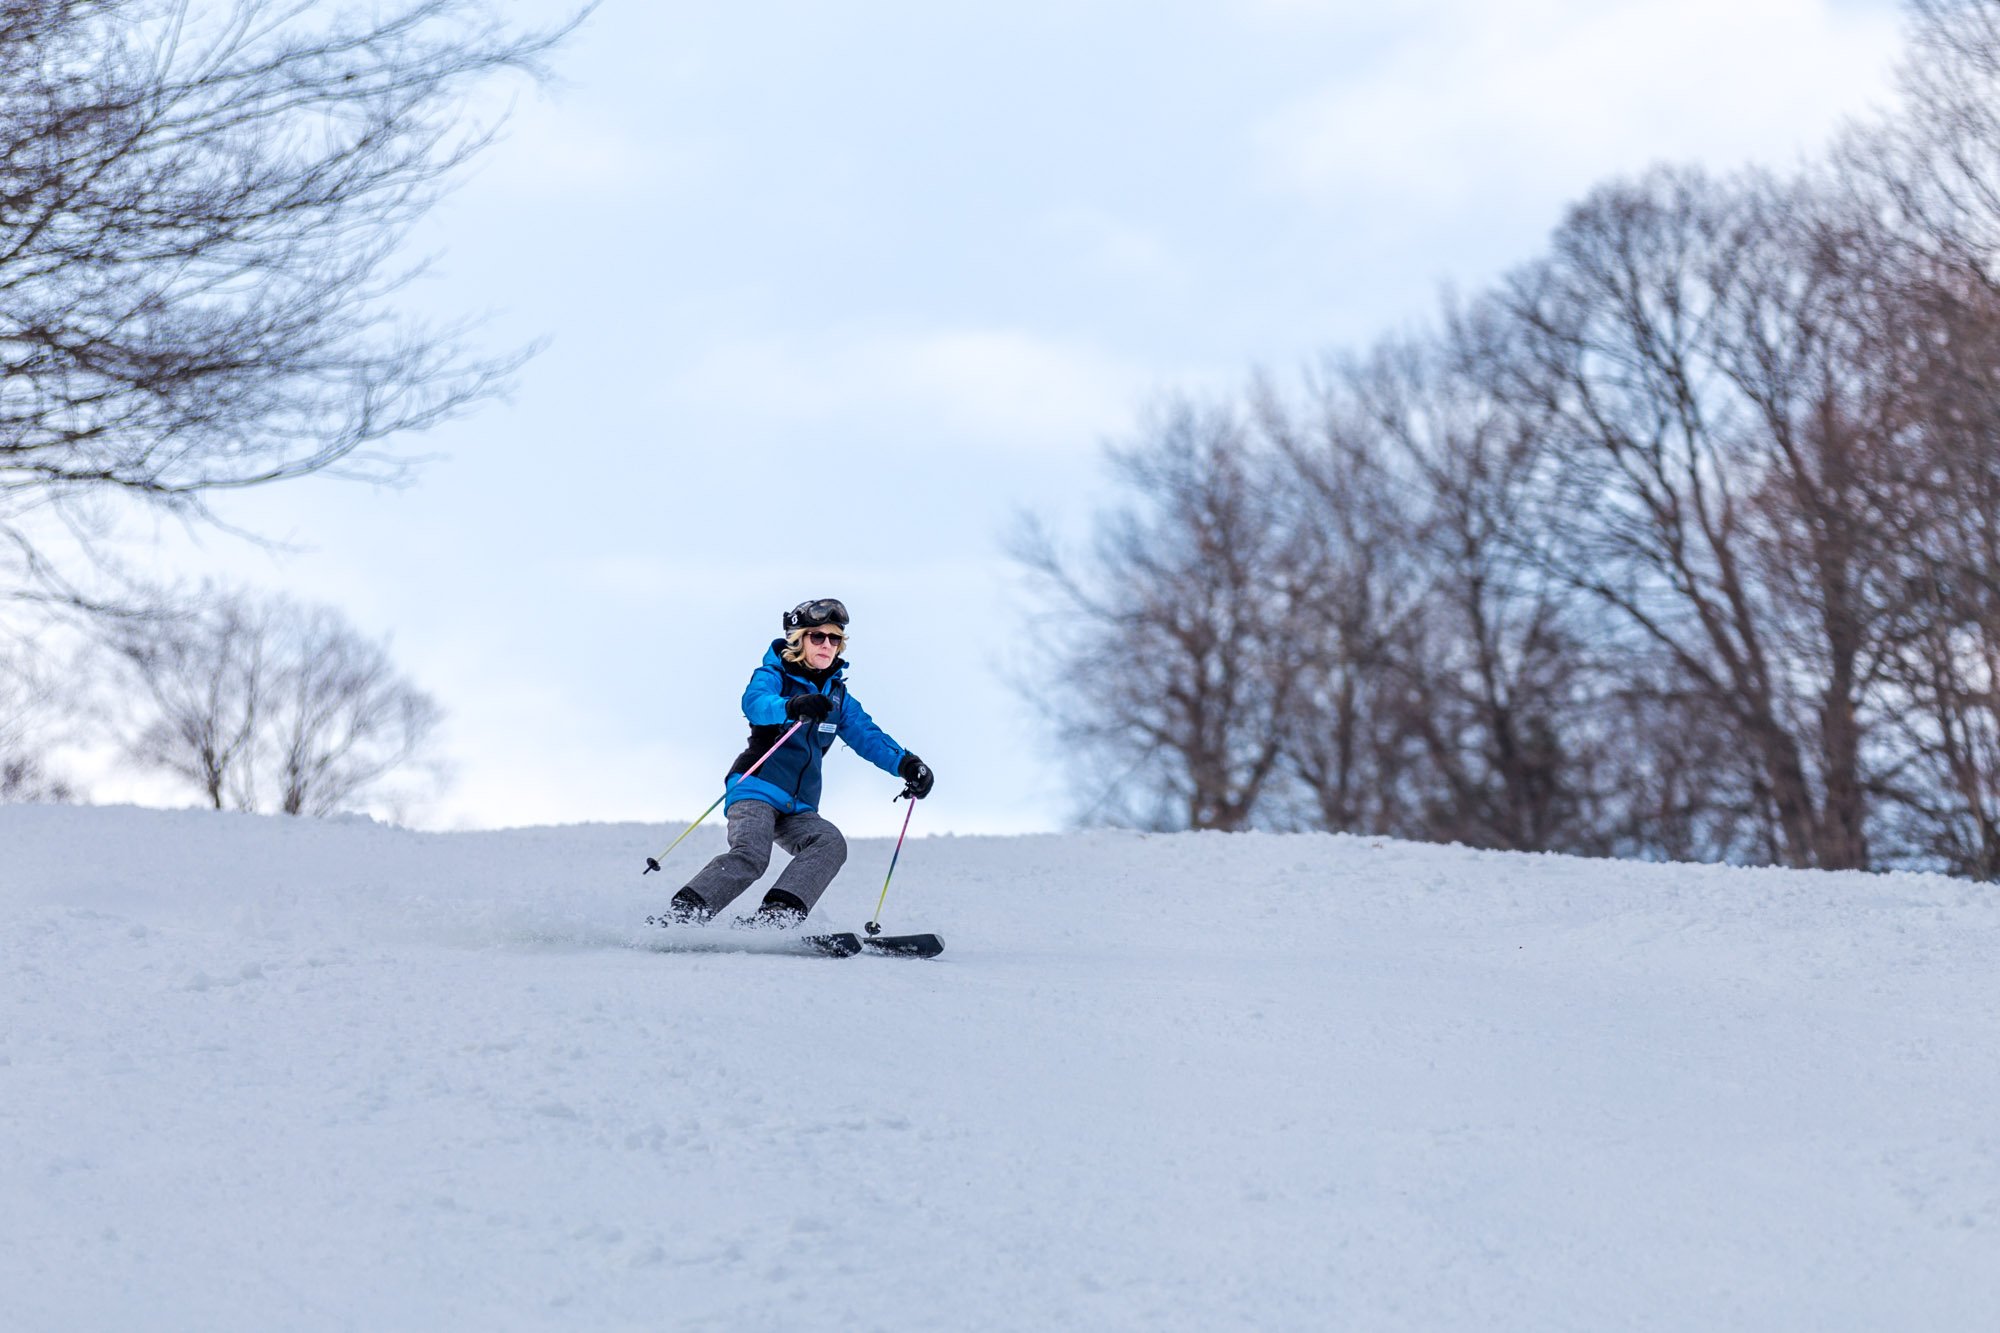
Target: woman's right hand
<point>808,707</point>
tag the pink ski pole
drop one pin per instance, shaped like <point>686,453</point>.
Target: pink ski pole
<point>653,862</point>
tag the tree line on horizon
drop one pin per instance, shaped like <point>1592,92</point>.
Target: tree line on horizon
<point>1682,541</point>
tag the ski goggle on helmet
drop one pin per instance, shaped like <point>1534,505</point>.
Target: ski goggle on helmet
<point>825,611</point>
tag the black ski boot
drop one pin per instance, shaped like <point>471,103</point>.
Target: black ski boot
<point>686,909</point>
<point>779,911</point>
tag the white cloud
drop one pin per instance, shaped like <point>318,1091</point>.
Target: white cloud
<point>1568,92</point>
<point>994,388</point>
<point>1110,244</point>
<point>564,144</point>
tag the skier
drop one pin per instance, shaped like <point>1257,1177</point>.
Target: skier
<point>802,679</point>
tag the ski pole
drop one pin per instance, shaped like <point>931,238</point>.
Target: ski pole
<point>653,862</point>
<point>875,927</point>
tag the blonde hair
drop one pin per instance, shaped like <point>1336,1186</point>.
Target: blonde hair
<point>795,642</point>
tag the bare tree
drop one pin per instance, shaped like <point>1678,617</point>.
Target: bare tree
<point>1932,172</point>
<point>1171,656</point>
<point>1707,414</point>
<point>1477,663</point>
<point>266,704</point>
<point>25,697</point>
<point>201,205</point>
<point>203,667</point>
<point>1346,745</point>
<point>1934,166</point>
<point>342,718</point>
<point>1943,699</point>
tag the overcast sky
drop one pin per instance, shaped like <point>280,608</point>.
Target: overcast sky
<point>832,292</point>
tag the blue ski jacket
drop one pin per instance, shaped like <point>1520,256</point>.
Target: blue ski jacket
<point>790,779</point>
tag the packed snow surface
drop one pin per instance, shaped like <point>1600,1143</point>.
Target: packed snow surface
<point>261,1073</point>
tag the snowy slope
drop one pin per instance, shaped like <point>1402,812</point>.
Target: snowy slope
<point>263,1073</point>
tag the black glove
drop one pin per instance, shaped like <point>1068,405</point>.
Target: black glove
<point>808,707</point>
<point>916,776</point>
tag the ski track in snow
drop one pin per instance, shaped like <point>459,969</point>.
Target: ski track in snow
<point>260,1073</point>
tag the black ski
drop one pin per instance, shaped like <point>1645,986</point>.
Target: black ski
<point>904,946</point>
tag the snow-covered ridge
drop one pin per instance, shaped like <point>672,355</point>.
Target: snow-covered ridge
<point>261,1073</point>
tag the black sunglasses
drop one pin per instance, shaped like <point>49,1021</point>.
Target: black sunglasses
<point>825,636</point>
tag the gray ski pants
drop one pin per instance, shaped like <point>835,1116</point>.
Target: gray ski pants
<point>817,848</point>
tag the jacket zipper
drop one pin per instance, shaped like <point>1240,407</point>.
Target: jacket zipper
<point>799,783</point>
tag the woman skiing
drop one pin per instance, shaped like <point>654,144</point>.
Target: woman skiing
<point>801,680</point>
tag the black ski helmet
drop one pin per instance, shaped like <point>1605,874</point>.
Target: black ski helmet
<point>823,611</point>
